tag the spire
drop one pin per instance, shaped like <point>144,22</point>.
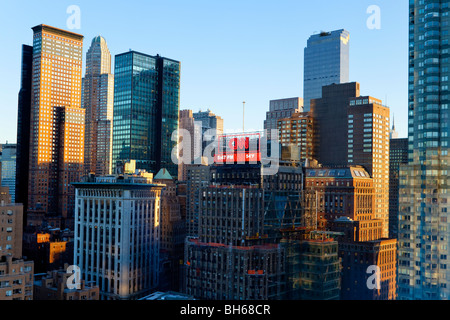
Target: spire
<point>393,133</point>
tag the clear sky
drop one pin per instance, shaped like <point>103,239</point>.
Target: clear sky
<point>230,50</point>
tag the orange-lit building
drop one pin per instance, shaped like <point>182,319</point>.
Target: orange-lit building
<point>57,122</point>
<point>368,146</point>
<point>49,249</point>
<point>297,137</point>
<point>341,192</point>
<point>357,258</point>
<point>346,205</point>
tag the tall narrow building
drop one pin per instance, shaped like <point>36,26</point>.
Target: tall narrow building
<point>354,130</point>
<point>146,111</point>
<point>191,152</point>
<point>23,127</point>
<point>398,155</point>
<point>368,146</point>
<point>424,248</point>
<point>326,62</point>
<point>56,123</point>
<point>97,100</point>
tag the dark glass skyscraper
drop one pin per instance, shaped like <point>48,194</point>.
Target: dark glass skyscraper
<point>424,265</point>
<point>326,62</point>
<point>146,108</point>
<point>23,127</point>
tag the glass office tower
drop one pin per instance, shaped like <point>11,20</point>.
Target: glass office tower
<point>424,265</point>
<point>146,107</point>
<point>326,62</point>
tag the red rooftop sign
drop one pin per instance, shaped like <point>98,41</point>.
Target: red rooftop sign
<point>241,148</point>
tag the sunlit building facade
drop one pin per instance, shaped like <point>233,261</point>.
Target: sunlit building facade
<point>57,122</point>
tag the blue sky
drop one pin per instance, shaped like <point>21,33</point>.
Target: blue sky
<point>230,50</point>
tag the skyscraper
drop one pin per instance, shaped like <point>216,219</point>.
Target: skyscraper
<point>354,130</point>
<point>330,115</point>
<point>56,123</point>
<point>424,250</point>
<point>326,62</point>
<point>398,155</point>
<point>368,146</point>
<point>23,127</point>
<point>97,100</point>
<point>146,111</point>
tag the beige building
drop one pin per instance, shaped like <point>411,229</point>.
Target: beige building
<point>53,286</point>
<point>16,279</point>
<point>11,221</point>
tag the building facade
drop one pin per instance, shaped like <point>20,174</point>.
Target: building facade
<point>192,150</point>
<point>23,127</point>
<point>320,277</point>
<point>341,192</point>
<point>97,100</point>
<point>173,233</point>
<point>398,155</point>
<point>198,177</point>
<point>117,234</point>
<point>56,123</point>
<point>146,111</point>
<point>358,282</point>
<point>368,146</point>
<point>424,271</point>
<point>326,62</point>
<point>16,279</point>
<point>281,109</point>
<point>330,114</point>
<point>8,169</point>
<point>297,137</point>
